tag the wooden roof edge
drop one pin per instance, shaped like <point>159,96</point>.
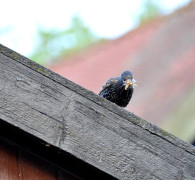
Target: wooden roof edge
<point>87,126</point>
<point>90,95</point>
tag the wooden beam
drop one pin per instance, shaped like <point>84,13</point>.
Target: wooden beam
<point>87,126</point>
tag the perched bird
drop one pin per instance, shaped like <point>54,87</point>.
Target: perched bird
<point>119,90</point>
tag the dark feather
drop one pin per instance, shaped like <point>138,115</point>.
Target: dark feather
<point>114,90</point>
<point>108,84</point>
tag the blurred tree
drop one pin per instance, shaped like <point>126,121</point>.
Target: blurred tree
<point>150,11</point>
<point>53,44</point>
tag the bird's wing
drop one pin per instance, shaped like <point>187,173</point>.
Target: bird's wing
<point>110,82</point>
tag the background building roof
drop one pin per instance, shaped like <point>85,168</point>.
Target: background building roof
<point>161,54</point>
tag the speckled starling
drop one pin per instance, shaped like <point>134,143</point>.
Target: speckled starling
<point>119,90</point>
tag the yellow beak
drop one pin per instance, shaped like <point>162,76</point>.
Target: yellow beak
<point>129,83</point>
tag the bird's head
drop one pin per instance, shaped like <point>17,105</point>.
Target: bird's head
<point>128,80</point>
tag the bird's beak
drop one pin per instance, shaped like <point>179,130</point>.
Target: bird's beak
<point>129,83</point>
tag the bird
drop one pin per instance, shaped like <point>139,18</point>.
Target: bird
<point>119,90</point>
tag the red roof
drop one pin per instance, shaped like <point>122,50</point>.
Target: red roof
<point>161,54</point>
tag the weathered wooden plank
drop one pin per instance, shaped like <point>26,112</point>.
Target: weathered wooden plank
<point>91,128</point>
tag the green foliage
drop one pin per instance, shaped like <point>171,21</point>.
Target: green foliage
<point>54,44</point>
<point>150,11</point>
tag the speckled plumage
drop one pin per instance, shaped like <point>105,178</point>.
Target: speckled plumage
<point>114,89</point>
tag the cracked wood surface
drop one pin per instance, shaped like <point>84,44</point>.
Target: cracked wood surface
<point>83,124</point>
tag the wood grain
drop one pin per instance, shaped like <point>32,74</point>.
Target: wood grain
<point>83,124</point>
<point>35,168</point>
<point>17,164</point>
<point>9,162</point>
